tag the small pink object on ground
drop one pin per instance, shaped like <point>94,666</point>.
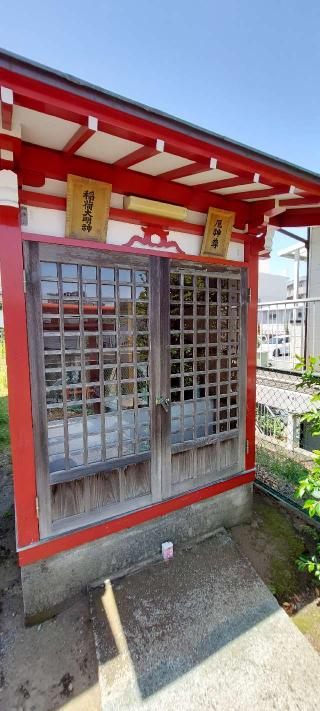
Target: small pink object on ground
<point>167,550</point>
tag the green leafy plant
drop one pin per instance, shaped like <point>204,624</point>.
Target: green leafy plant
<point>311,564</point>
<point>309,486</point>
<point>4,424</point>
<point>3,370</point>
<point>280,465</point>
<point>270,425</point>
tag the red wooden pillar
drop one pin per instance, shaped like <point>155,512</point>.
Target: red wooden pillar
<point>251,255</point>
<point>20,415</point>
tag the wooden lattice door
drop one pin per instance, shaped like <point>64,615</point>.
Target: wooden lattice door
<point>136,379</point>
<point>206,375</point>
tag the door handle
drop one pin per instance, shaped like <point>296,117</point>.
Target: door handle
<point>164,402</point>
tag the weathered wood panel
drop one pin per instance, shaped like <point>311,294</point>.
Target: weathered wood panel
<point>67,499</point>
<point>229,450</point>
<point>100,490</point>
<point>195,463</point>
<point>137,480</point>
<point>104,489</point>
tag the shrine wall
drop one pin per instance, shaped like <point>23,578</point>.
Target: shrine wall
<point>51,222</point>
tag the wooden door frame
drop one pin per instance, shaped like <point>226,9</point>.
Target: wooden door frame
<point>35,252</point>
<point>168,449</point>
<point>160,442</point>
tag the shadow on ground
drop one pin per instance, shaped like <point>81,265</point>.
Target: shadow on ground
<point>170,618</point>
<point>202,631</point>
<point>160,629</point>
<point>50,666</point>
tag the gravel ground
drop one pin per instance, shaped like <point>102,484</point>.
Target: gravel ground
<point>280,484</point>
<point>53,666</point>
<point>49,666</point>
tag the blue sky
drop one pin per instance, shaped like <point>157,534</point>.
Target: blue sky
<point>280,265</point>
<point>247,70</point>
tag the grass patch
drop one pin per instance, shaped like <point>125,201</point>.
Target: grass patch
<point>280,465</point>
<point>8,513</point>
<point>3,370</point>
<point>4,418</point>
<point>284,578</point>
<point>4,424</point>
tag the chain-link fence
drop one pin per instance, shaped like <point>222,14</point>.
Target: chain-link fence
<point>284,442</point>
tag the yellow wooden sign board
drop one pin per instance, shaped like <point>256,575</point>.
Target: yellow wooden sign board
<point>217,234</point>
<point>88,203</point>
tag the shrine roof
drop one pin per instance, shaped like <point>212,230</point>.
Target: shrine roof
<point>87,121</point>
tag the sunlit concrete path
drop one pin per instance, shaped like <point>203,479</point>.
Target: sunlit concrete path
<point>200,632</point>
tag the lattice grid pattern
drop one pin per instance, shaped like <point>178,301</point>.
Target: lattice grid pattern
<point>96,350</point>
<point>204,350</point>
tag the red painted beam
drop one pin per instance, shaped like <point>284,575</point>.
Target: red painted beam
<point>227,182</point>
<point>304,199</point>
<point>50,202</point>
<point>306,217</point>
<point>267,192</point>
<point>184,171</point>
<point>106,246</point>
<point>6,96</point>
<point>254,211</point>
<point>21,430</point>
<point>65,104</point>
<point>6,116</point>
<point>294,217</point>
<point>291,202</point>
<point>136,157</point>
<point>57,165</point>
<point>10,143</point>
<point>53,202</point>
<point>87,535</point>
<point>136,218</point>
<point>308,200</point>
<point>6,164</point>
<point>32,178</point>
<point>81,136</point>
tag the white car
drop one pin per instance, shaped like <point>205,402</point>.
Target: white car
<point>279,346</point>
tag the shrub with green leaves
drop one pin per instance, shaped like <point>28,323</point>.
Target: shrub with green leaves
<point>270,425</point>
<point>309,486</point>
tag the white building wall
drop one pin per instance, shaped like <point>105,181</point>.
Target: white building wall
<point>313,332</point>
<point>272,287</point>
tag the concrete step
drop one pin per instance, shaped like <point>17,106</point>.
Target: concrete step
<point>200,632</point>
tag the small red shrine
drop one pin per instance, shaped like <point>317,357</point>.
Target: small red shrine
<point>131,355</point>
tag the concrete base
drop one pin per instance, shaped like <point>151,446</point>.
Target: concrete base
<point>47,585</point>
<point>202,632</point>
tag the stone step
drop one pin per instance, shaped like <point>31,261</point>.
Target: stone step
<point>199,632</point>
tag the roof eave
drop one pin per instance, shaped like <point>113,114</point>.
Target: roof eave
<point>33,70</point>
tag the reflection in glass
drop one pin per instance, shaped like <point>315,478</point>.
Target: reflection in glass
<point>124,275</point>
<point>107,274</point>
<point>125,292</point>
<point>89,272</point>
<point>70,288</point>
<point>69,271</point>
<point>48,269</point>
<point>141,277</point>
<point>107,291</point>
<point>88,351</point>
<point>49,290</point>
<point>202,306</point>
